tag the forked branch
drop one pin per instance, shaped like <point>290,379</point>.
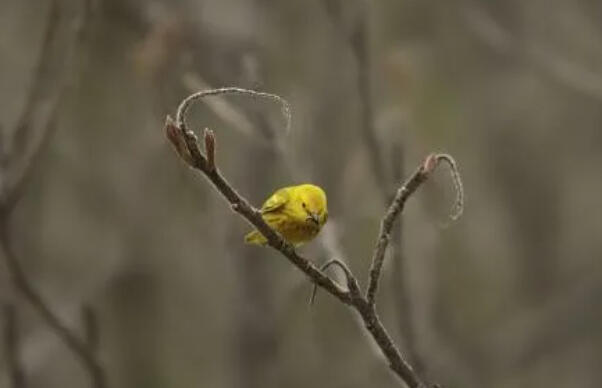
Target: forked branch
<point>187,147</point>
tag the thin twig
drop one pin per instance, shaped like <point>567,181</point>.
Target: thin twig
<point>11,346</point>
<point>178,135</point>
<point>185,104</point>
<point>352,284</point>
<point>226,111</point>
<point>405,295</point>
<point>403,193</point>
<point>561,69</point>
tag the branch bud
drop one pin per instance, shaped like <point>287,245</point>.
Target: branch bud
<point>175,137</point>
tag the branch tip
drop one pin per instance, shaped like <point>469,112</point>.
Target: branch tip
<point>458,207</point>
<point>431,163</point>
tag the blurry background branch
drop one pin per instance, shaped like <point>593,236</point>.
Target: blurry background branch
<point>20,150</point>
<point>186,145</point>
<point>20,147</point>
<point>563,70</point>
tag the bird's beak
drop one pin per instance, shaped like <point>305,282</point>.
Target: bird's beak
<point>314,217</point>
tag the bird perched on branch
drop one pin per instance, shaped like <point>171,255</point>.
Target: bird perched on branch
<point>296,212</point>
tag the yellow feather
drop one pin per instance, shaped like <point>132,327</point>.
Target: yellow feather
<point>296,212</point>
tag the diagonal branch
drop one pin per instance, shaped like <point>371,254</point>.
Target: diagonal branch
<point>187,147</point>
<point>241,206</point>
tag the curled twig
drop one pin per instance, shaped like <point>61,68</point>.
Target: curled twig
<point>185,104</point>
<point>352,285</point>
<point>458,207</point>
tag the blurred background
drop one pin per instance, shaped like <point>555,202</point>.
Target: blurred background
<point>109,218</point>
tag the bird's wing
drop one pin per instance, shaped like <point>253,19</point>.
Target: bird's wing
<point>276,201</point>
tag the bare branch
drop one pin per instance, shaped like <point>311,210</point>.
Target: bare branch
<point>11,346</point>
<point>396,362</point>
<point>565,71</point>
<point>403,193</point>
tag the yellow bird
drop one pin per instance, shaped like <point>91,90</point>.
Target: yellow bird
<point>296,212</point>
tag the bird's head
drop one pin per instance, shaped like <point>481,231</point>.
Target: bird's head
<point>313,202</point>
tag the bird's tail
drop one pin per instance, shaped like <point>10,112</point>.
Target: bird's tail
<point>255,238</point>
